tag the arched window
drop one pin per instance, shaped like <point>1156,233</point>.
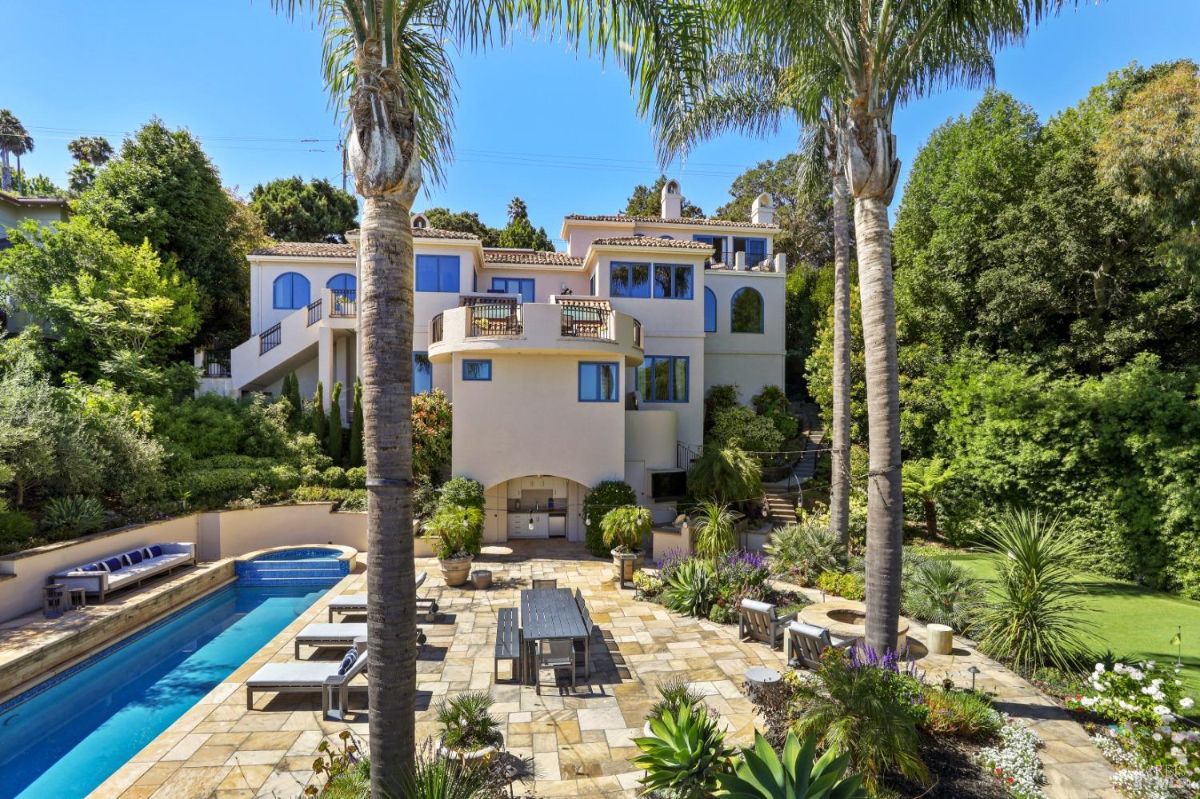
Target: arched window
<point>710,311</point>
<point>746,311</point>
<point>342,284</point>
<point>291,290</point>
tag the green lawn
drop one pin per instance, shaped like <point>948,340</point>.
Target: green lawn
<point>1135,623</point>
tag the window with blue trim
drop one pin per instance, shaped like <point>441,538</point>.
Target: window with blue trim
<point>672,281</point>
<point>291,290</point>
<point>746,311</point>
<point>710,311</point>
<point>716,242</point>
<point>437,273</point>
<point>477,370</point>
<point>599,382</point>
<point>514,285</point>
<point>342,284</point>
<point>422,373</point>
<point>663,378</point>
<point>755,249</point>
<point>628,279</point>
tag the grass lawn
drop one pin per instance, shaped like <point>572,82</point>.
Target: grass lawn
<point>1134,622</point>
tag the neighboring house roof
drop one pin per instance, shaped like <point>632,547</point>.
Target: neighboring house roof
<point>514,256</point>
<point>664,221</point>
<point>320,249</point>
<point>32,202</point>
<point>651,241</point>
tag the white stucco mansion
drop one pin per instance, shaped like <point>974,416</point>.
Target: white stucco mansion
<point>563,368</point>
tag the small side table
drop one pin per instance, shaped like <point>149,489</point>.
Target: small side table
<point>78,597</point>
<point>941,639</point>
<point>52,600</point>
<point>759,679</point>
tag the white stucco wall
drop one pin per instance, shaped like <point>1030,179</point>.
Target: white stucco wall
<point>265,269</point>
<point>747,360</point>
<point>546,282</point>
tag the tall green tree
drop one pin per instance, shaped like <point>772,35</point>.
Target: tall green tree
<point>520,232</point>
<point>387,64</point>
<point>15,141</point>
<point>90,153</point>
<point>335,423</point>
<point>162,188</point>
<point>647,201</point>
<point>463,222</point>
<point>356,426</point>
<point>292,210</point>
<point>319,422</point>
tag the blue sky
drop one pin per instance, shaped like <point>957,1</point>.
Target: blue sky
<point>533,119</point>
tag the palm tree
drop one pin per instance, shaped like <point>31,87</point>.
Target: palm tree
<point>14,140</point>
<point>749,91</point>
<point>387,67</point>
<point>884,53</point>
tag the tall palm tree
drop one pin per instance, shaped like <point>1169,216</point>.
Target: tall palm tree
<point>886,52</point>
<point>14,140</point>
<point>750,91</point>
<point>387,67</point>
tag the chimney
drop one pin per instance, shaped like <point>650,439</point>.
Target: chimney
<point>672,200</point>
<point>762,212</point>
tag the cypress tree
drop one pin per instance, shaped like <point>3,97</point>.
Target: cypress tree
<point>356,426</point>
<point>335,424</point>
<point>320,427</point>
<point>293,395</point>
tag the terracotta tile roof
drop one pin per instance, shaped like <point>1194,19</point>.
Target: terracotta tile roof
<point>503,256</point>
<point>320,249</point>
<point>651,241</point>
<point>664,221</point>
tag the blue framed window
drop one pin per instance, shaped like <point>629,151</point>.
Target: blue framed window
<point>592,283</point>
<point>422,373</point>
<point>291,290</point>
<point>746,311</point>
<point>628,279</point>
<point>599,381</point>
<point>672,281</point>
<point>437,273</point>
<point>477,370</point>
<point>342,284</point>
<point>663,378</point>
<point>755,249</point>
<point>514,285</point>
<point>710,311</point>
<point>716,242</point>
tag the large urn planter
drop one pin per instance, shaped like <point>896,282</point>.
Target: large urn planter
<point>455,571</point>
<point>478,756</point>
<point>624,565</point>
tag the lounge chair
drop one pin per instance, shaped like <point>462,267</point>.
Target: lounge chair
<point>305,677</point>
<point>804,644</point>
<point>357,603</point>
<point>761,622</point>
<point>318,635</point>
<point>127,569</point>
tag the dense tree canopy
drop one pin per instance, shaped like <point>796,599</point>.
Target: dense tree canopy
<point>162,188</point>
<point>463,222</point>
<point>647,201</point>
<point>90,153</point>
<point>520,232</point>
<point>292,210</point>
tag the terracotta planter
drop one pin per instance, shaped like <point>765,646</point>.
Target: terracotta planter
<point>455,572</point>
<point>624,565</point>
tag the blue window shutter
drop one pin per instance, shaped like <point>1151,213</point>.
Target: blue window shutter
<point>710,311</point>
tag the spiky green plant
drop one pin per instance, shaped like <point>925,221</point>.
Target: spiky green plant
<point>1033,615</point>
<point>725,474</point>
<point>806,549</point>
<point>760,773</point>
<point>713,529</point>
<point>691,588</point>
<point>674,692</point>
<point>76,515</point>
<point>684,753</point>
<point>467,724</point>
<point>624,528</point>
<point>942,592</point>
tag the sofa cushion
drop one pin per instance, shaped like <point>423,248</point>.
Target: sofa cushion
<point>113,564</point>
<point>348,661</point>
<point>135,557</point>
<point>156,550</point>
<point>91,567</point>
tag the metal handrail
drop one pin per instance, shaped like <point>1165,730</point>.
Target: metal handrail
<point>345,303</point>
<point>216,364</point>
<point>314,312</point>
<point>492,317</point>
<point>584,321</point>
<point>270,338</point>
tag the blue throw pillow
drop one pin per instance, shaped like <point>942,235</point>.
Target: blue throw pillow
<point>135,557</point>
<point>156,550</point>
<point>113,564</point>
<point>348,661</point>
<point>92,567</point>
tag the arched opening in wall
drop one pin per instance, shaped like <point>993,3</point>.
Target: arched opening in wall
<point>534,507</point>
<point>746,311</point>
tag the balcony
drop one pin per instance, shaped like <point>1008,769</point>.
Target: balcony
<point>729,259</point>
<point>564,325</point>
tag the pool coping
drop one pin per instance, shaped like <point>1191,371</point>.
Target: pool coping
<point>348,554</point>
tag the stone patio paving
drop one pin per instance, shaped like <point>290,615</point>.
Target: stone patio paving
<point>578,740</point>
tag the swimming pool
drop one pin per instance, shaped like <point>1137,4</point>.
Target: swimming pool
<point>66,736</point>
<point>300,553</point>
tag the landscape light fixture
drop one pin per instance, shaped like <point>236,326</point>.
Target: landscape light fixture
<point>974,670</point>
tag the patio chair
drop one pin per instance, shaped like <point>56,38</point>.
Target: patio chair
<point>805,643</point>
<point>306,677</point>
<point>545,583</point>
<point>761,622</point>
<point>557,654</point>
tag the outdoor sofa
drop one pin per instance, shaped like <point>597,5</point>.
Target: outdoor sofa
<point>126,569</point>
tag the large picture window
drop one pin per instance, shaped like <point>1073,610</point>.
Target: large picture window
<point>746,311</point>
<point>422,373</point>
<point>599,382</point>
<point>437,273</point>
<point>672,281</point>
<point>291,290</point>
<point>663,378</point>
<point>710,311</point>
<point>629,280</point>
<point>514,285</point>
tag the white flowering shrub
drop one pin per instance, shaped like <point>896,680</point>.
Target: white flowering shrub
<point>1157,752</point>
<point>1015,760</point>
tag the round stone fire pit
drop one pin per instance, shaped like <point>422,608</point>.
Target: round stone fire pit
<point>845,618</point>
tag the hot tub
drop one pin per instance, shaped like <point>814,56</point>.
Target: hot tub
<point>300,563</point>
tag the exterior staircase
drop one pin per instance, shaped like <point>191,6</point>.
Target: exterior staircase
<point>780,498</point>
<point>780,504</point>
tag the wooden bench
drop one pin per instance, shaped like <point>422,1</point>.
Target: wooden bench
<point>508,643</point>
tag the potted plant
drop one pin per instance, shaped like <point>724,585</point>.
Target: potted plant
<point>470,733</point>
<point>458,529</point>
<point>623,529</point>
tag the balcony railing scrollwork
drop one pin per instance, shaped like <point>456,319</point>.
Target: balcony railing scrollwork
<point>216,364</point>
<point>592,320</point>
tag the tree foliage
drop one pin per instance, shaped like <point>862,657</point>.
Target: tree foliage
<point>647,201</point>
<point>520,233</point>
<point>292,210</point>
<point>463,222</point>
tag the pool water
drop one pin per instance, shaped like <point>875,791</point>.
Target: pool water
<point>64,738</point>
<point>310,553</point>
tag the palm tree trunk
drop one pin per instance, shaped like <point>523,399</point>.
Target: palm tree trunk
<point>885,500</point>
<point>5,173</point>
<point>839,490</point>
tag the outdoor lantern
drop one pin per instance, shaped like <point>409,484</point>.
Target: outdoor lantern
<point>531,522</point>
<point>974,670</point>
<point>588,520</point>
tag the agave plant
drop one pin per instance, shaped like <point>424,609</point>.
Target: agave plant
<point>763,774</point>
<point>1032,617</point>
<point>674,693</point>
<point>714,530</point>
<point>684,754</point>
<point>691,588</point>
<point>73,514</point>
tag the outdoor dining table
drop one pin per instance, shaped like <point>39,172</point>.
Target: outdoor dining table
<point>550,614</point>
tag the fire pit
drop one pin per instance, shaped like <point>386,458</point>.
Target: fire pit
<point>845,618</point>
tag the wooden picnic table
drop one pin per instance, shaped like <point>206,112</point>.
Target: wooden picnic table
<point>550,614</point>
